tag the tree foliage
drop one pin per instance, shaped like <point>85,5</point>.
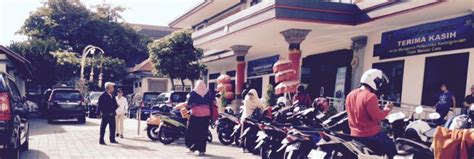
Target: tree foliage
<point>37,51</point>
<point>175,56</point>
<point>74,26</point>
<point>69,63</point>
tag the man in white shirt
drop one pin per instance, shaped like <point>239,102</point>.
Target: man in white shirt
<point>121,110</point>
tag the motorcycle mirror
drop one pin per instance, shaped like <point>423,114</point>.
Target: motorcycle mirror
<point>434,116</point>
<point>419,109</point>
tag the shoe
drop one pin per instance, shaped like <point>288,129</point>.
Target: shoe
<point>114,142</point>
<point>102,142</point>
<point>121,136</point>
<point>202,153</point>
<point>117,135</point>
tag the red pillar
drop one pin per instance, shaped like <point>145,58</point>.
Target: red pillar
<point>295,57</point>
<point>240,51</point>
<point>240,78</point>
<point>294,37</point>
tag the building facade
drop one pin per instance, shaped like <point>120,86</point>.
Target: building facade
<point>418,44</point>
<point>16,66</point>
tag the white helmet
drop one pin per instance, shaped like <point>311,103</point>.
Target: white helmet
<point>374,78</point>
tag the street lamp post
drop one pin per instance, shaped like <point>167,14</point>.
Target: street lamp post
<point>90,49</point>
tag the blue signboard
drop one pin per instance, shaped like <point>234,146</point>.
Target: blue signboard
<point>451,34</point>
<point>261,66</point>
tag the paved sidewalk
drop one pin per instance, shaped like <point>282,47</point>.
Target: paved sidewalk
<point>66,139</point>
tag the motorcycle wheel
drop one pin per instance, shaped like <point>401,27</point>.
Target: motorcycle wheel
<point>250,144</point>
<point>165,138</point>
<point>209,137</point>
<point>151,133</point>
<point>225,138</point>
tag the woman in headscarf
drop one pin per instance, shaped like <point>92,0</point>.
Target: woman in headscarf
<point>200,101</point>
<point>251,103</point>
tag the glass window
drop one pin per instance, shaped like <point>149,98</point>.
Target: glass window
<point>394,72</point>
<point>67,95</point>
<point>14,89</point>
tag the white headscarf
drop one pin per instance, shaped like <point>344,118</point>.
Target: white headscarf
<point>251,102</point>
<point>200,88</point>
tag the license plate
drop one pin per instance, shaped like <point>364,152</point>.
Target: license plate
<point>293,147</point>
<point>316,154</point>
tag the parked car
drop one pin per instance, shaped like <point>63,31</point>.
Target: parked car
<point>167,99</point>
<point>146,103</point>
<point>92,104</point>
<point>66,103</point>
<point>14,126</point>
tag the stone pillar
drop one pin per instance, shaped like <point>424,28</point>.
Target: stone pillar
<point>294,37</point>
<point>358,46</point>
<point>240,51</point>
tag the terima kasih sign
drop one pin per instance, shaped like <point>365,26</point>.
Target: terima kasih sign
<point>450,34</point>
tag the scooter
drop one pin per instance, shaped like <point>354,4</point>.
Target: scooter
<point>173,128</point>
<point>301,140</point>
<point>226,125</point>
<point>153,122</point>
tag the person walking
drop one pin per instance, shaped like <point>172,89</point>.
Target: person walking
<point>121,110</point>
<point>362,105</point>
<point>251,103</point>
<point>302,97</point>
<point>107,107</point>
<point>201,102</point>
<point>446,101</point>
<point>468,101</point>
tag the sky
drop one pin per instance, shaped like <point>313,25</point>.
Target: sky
<point>13,13</point>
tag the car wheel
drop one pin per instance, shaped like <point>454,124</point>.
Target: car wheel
<point>12,152</point>
<point>82,120</point>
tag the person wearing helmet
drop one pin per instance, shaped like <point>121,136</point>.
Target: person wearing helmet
<point>362,106</point>
<point>302,97</point>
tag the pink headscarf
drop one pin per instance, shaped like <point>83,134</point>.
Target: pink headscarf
<point>200,88</point>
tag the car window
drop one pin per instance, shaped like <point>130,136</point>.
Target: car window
<point>66,95</point>
<point>161,98</point>
<point>150,97</point>
<point>178,97</point>
<point>3,87</point>
<point>95,95</point>
<point>14,90</point>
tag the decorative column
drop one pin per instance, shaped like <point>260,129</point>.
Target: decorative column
<point>294,37</point>
<point>240,51</point>
<point>358,46</point>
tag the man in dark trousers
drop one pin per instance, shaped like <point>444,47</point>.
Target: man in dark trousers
<point>107,107</point>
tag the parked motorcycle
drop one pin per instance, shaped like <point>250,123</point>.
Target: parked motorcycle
<point>173,128</point>
<point>226,126</point>
<point>153,122</point>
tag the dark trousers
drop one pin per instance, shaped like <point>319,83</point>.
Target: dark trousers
<point>110,120</point>
<point>380,143</point>
<point>442,113</point>
<point>197,132</point>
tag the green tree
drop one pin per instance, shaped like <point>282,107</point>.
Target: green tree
<point>74,26</point>
<point>37,51</point>
<point>174,56</point>
<point>271,97</point>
